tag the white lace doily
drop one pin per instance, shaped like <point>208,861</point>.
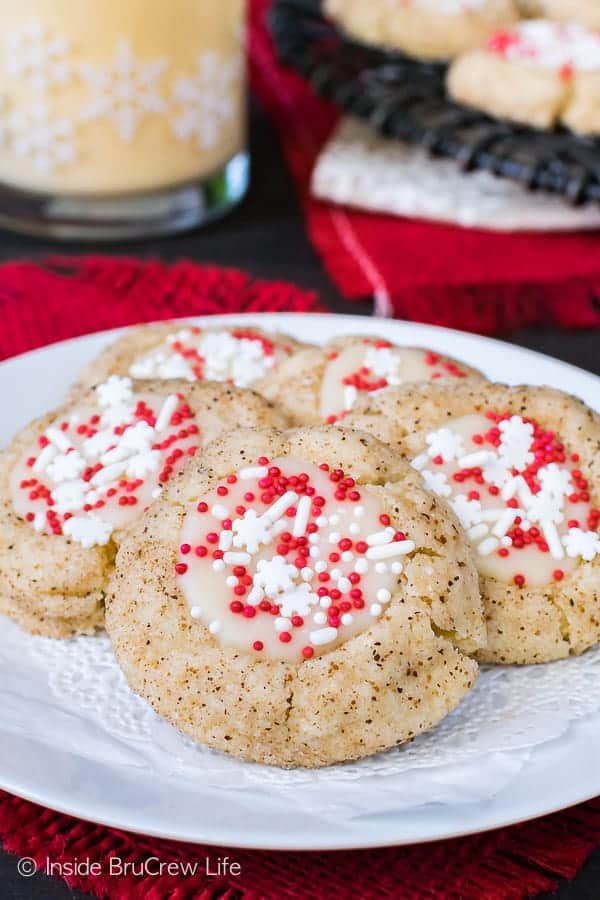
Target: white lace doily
<point>360,168</point>
<point>89,711</point>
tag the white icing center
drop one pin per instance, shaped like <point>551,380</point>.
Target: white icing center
<point>239,357</point>
<point>551,45</point>
<point>103,465</point>
<point>523,503</point>
<point>305,570</point>
<point>373,366</point>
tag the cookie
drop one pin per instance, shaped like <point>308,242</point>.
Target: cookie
<point>73,481</point>
<point>521,469</point>
<point>298,600</point>
<point>538,73</point>
<point>584,12</point>
<point>427,29</point>
<point>322,384</point>
<point>245,357</point>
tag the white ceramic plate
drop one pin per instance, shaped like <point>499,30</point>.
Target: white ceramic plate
<point>72,737</point>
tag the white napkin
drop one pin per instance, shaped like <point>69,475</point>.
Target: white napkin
<point>360,168</point>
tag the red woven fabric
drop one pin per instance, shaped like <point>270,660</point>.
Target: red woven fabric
<point>474,280</point>
<point>69,297</point>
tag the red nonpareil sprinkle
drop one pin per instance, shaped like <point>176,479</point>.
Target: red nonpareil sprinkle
<point>258,646</point>
<point>249,612</point>
<point>308,652</point>
<point>558,574</point>
<point>202,507</point>
<point>181,568</point>
<point>285,637</point>
<point>519,580</point>
<point>185,548</point>
<point>200,550</point>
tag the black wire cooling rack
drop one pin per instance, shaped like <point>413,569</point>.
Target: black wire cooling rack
<point>406,98</point>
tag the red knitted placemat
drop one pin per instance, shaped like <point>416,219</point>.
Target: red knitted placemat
<point>469,279</point>
<point>71,297</point>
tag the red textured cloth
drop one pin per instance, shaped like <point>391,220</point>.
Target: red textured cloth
<point>468,279</point>
<point>70,297</point>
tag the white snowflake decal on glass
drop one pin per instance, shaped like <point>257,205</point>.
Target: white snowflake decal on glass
<point>36,57</point>
<point>34,134</point>
<point>207,100</point>
<point>123,91</point>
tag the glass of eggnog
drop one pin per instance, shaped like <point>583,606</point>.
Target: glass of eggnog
<point>121,118</point>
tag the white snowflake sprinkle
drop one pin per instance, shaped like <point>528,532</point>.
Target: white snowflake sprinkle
<point>437,482</point>
<point>515,442</point>
<point>555,481</point>
<point>115,391</point>
<point>69,496</point>
<point>142,464</point>
<point>298,601</point>
<point>468,511</point>
<point>251,531</point>
<point>585,544</point>
<point>88,530</point>
<point>66,467</point>
<point>445,443</point>
<point>275,576</point>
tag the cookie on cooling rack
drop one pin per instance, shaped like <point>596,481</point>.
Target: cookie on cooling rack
<point>521,469</point>
<point>427,29</point>
<point>74,480</point>
<point>322,384</point>
<point>539,73</point>
<point>243,356</point>
<point>298,600</point>
<point>585,12</point>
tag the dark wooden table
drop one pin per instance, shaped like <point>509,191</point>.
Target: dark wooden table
<point>266,237</point>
